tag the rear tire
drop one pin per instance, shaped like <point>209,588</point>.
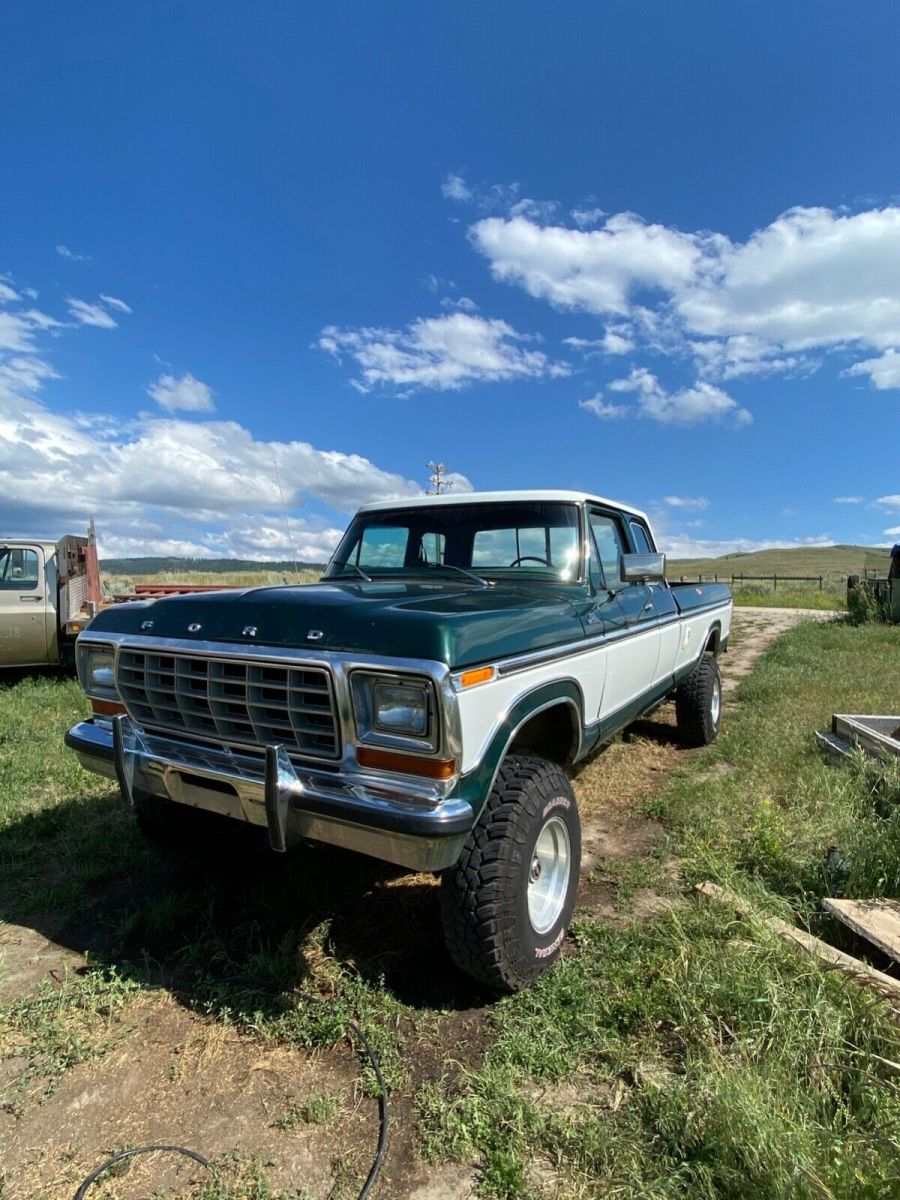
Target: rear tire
<point>507,902</point>
<point>698,703</point>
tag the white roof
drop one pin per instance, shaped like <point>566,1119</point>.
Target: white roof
<point>501,498</point>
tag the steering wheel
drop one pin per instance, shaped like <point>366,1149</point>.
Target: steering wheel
<point>529,558</point>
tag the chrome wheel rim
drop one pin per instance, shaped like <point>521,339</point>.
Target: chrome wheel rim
<point>715,704</point>
<point>548,875</point>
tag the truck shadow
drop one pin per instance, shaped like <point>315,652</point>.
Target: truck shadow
<point>223,908</point>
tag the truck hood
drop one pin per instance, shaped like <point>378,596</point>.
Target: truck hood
<point>459,625</point>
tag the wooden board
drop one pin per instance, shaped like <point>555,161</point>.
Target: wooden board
<point>876,920</point>
<point>862,972</point>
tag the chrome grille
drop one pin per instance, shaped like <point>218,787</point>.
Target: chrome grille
<point>231,700</point>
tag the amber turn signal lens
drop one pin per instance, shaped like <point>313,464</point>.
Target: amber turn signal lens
<point>384,760</point>
<point>107,708</point>
<point>478,675</point>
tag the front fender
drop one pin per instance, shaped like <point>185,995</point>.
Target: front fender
<point>474,787</point>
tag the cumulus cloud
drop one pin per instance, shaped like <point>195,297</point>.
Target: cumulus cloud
<point>894,531</point>
<point>90,314</point>
<point>594,270</point>
<point>600,408</point>
<point>812,281</point>
<point>455,187</point>
<point>444,353</point>
<point>182,393</point>
<point>689,503</point>
<point>889,501</point>
<point>849,500</point>
<point>679,545</point>
<point>116,303</point>
<point>162,484</point>
<point>65,252</point>
<point>690,405</point>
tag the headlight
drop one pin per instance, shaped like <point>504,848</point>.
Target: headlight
<point>395,711</point>
<point>401,708</point>
<point>96,670</point>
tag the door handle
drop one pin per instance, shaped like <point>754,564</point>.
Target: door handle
<point>31,599</point>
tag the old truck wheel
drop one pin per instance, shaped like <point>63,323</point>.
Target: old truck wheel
<point>507,903</point>
<point>698,703</point>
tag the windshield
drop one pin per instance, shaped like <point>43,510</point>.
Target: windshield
<point>492,542</point>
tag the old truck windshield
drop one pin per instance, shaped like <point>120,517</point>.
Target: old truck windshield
<point>537,541</point>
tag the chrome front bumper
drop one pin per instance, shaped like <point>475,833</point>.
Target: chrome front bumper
<point>294,803</point>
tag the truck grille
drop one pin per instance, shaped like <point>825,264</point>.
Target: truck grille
<point>231,700</point>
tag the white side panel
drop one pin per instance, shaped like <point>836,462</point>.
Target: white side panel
<point>631,668</point>
<point>611,676</point>
<point>482,708</point>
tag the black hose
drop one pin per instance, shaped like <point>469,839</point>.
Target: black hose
<point>383,1111</point>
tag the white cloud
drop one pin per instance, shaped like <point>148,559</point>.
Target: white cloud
<point>690,405</point>
<point>597,270</point>
<point>463,304</point>
<point>8,295</point>
<point>690,503</point>
<point>884,371</point>
<point>183,393</point>
<point>585,217</point>
<point>599,407</point>
<point>444,353</point>
<point>616,340</point>
<point>162,484</point>
<point>679,545</point>
<point>889,501</point>
<point>455,187</point>
<point>90,314</point>
<point>894,531</point>
<point>65,252</point>
<point>116,303</point>
<point>812,281</point>
<point>849,500</point>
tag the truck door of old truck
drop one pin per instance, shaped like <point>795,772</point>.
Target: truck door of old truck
<point>27,611</point>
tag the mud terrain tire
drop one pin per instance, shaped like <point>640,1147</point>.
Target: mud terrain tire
<point>507,902</point>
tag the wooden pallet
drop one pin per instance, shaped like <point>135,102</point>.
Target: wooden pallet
<point>876,920</point>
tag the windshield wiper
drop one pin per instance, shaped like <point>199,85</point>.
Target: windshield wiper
<point>356,567</point>
<point>462,571</point>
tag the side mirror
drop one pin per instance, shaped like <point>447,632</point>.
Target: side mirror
<point>644,568</point>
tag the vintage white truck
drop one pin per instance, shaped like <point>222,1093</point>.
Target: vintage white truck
<point>421,704</point>
<point>48,593</point>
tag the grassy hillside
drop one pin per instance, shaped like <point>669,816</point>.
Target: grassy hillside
<point>834,562</point>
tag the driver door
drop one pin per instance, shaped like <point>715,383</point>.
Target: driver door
<point>632,642</point>
<point>25,607</point>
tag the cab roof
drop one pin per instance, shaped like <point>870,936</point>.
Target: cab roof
<point>563,497</point>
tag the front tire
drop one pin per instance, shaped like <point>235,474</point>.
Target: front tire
<point>507,902</point>
<point>698,703</point>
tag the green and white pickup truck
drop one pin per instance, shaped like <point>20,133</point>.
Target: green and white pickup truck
<point>421,704</point>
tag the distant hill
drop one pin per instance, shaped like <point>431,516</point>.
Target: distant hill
<point>833,562</point>
<point>208,566</point>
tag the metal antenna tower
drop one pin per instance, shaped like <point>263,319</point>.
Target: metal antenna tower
<point>438,479</point>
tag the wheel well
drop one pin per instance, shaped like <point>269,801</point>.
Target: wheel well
<point>712,642</point>
<point>550,734</point>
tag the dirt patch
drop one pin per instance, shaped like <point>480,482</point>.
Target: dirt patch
<point>614,785</point>
<point>176,1075</point>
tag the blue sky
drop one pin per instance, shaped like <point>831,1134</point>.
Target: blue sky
<point>650,250</point>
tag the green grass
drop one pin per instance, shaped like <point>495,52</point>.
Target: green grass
<point>696,1055</point>
<point>829,599</point>
<point>834,562</point>
<point>693,1056</point>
